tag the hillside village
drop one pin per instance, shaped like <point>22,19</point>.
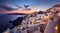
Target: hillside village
<point>39,22</point>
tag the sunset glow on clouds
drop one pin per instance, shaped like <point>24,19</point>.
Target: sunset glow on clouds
<point>10,6</point>
<point>17,11</point>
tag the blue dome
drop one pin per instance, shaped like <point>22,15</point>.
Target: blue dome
<point>40,12</point>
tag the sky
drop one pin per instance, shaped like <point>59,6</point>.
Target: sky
<point>17,6</point>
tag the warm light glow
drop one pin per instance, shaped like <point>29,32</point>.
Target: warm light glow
<point>7,31</point>
<point>56,27</point>
<point>18,11</point>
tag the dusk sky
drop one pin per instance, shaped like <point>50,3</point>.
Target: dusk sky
<point>11,6</point>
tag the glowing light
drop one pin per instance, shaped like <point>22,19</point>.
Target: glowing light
<point>56,27</point>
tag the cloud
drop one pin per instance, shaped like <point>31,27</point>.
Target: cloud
<point>6,7</point>
<point>9,6</point>
<point>18,6</point>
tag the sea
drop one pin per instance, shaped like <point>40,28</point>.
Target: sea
<point>4,21</point>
